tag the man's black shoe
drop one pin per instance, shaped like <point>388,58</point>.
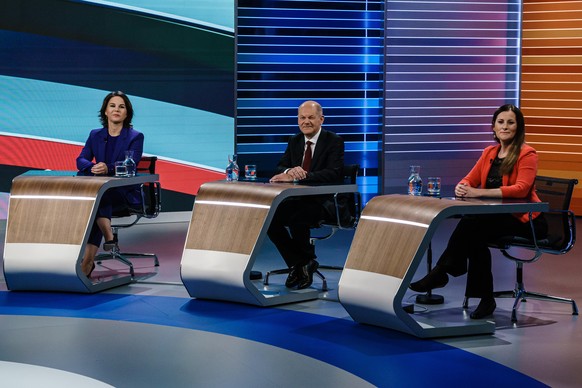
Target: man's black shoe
<point>307,272</point>
<point>295,277</point>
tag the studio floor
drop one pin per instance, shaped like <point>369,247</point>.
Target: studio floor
<point>151,333</point>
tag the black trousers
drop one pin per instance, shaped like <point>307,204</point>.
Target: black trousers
<point>467,251</point>
<point>112,201</point>
<point>290,228</point>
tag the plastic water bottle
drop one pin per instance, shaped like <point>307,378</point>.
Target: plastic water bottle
<point>129,163</point>
<point>232,169</point>
<point>414,181</point>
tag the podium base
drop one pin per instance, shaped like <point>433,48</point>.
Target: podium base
<point>430,299</point>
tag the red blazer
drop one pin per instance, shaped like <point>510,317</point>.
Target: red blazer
<point>520,183</point>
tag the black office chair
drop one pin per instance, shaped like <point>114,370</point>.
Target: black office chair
<point>150,208</point>
<point>560,239</point>
<point>341,221</point>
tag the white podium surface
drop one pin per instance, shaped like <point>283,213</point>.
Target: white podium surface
<point>392,237</point>
<point>50,216</point>
<point>228,227</point>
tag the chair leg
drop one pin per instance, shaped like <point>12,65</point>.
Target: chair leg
<point>115,255</point>
<point>142,255</point>
<point>331,267</point>
<point>551,298</point>
<point>274,272</point>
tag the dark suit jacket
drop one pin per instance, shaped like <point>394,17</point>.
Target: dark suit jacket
<point>328,159</point>
<point>94,152</point>
<point>327,166</point>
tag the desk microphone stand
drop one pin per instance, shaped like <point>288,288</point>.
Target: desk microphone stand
<point>429,298</point>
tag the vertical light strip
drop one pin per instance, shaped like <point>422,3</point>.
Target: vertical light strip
<point>449,65</point>
<point>292,51</point>
<point>551,87</point>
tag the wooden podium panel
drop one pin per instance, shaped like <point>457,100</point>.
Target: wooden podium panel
<point>49,219</point>
<point>228,226</point>
<point>392,237</point>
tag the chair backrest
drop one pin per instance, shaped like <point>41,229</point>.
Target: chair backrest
<point>351,173</point>
<point>150,191</point>
<point>561,224</point>
<point>147,165</point>
<point>352,199</point>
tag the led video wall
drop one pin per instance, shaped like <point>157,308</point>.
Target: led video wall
<point>449,65</point>
<point>175,59</point>
<point>292,51</point>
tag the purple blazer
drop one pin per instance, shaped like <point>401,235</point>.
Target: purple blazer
<point>94,152</point>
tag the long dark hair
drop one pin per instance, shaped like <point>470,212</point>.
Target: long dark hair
<point>128,106</point>
<point>511,158</point>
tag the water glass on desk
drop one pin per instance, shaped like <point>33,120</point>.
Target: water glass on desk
<point>433,186</point>
<point>120,169</point>
<point>251,171</point>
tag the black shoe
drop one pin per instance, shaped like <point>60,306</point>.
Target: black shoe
<point>437,278</point>
<point>307,271</point>
<point>109,245</point>
<point>484,309</point>
<point>91,271</point>
<point>295,277</point>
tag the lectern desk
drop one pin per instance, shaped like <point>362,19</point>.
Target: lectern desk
<point>228,226</point>
<point>393,235</point>
<point>50,216</point>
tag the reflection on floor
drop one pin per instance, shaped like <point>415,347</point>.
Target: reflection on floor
<point>151,333</point>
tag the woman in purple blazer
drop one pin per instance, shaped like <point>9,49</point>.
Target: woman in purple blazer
<point>103,148</point>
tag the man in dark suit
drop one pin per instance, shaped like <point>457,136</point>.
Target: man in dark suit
<point>312,156</point>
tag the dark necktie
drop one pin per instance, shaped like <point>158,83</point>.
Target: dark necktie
<point>307,157</point>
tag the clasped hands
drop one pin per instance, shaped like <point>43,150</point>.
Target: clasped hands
<point>100,169</point>
<point>463,190</point>
<point>291,175</point>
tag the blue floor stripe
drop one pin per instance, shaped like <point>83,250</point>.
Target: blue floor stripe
<point>382,357</point>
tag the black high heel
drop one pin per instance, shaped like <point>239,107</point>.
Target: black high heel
<point>90,272</point>
<point>437,278</point>
<point>485,308</point>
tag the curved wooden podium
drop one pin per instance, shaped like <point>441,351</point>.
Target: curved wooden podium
<point>393,235</point>
<point>228,226</point>
<point>49,219</point>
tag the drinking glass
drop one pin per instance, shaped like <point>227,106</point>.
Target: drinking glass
<point>433,185</point>
<point>120,169</point>
<point>250,171</point>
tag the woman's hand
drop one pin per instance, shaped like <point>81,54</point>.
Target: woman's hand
<point>100,169</point>
<point>462,190</point>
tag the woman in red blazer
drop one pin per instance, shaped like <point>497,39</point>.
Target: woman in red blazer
<point>505,170</point>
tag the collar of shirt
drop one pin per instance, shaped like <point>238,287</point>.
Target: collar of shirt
<point>313,140</point>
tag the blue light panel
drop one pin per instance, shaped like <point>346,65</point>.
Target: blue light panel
<point>449,65</point>
<point>292,51</point>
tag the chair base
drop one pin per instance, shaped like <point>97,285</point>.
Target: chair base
<point>520,294</point>
<point>124,257</point>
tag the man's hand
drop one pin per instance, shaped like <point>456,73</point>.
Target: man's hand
<point>282,178</point>
<point>292,175</point>
<point>297,173</point>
